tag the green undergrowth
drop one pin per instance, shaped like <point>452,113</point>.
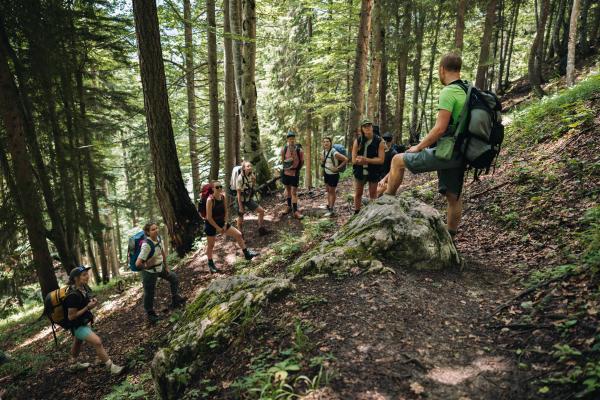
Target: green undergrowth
<point>288,247</point>
<point>130,388</point>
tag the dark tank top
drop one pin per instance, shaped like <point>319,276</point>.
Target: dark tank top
<point>218,209</point>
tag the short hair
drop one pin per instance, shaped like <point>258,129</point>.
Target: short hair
<point>148,226</point>
<point>328,138</point>
<point>451,62</point>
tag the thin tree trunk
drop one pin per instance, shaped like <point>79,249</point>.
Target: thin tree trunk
<point>402,72</point>
<point>434,46</point>
<point>360,69</point>
<point>377,44</point>
<point>15,126</point>
<point>252,148</point>
<point>547,34</point>
<point>345,118</point>
<point>461,9</point>
<point>235,24</point>
<point>309,121</point>
<point>484,54</point>
<point>535,60</point>
<point>109,236</point>
<point>511,45</point>
<point>229,113</point>
<point>584,46</point>
<point>419,29</point>
<point>179,214</point>
<point>556,38</point>
<point>595,31</point>
<point>191,96</point>
<point>213,90</point>
<point>383,80</point>
<point>572,42</point>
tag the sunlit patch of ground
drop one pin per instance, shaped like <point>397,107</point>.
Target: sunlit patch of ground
<point>459,374</point>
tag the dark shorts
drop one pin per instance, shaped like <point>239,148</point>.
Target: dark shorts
<point>249,205</point>
<point>287,180</point>
<point>210,230</point>
<point>450,173</point>
<point>331,179</point>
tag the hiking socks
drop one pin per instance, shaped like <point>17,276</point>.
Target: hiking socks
<point>114,368</point>
<point>289,202</point>
<point>178,301</point>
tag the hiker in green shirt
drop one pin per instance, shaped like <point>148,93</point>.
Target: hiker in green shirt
<point>422,158</point>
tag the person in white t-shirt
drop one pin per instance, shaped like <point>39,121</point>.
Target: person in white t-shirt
<point>331,161</point>
<point>153,268</point>
<point>244,199</point>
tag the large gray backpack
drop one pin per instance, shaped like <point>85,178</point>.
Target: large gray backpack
<point>480,130</point>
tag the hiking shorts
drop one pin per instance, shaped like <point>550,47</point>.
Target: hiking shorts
<point>331,179</point>
<point>287,180</point>
<point>249,205</point>
<point>82,332</point>
<point>210,230</point>
<point>450,173</point>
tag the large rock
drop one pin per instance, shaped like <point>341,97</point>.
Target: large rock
<point>401,229</point>
<point>206,326</point>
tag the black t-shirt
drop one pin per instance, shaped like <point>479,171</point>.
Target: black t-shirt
<point>387,161</point>
<point>78,299</point>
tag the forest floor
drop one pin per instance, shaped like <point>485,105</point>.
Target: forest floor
<point>463,334</point>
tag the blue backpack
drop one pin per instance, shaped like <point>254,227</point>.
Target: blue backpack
<point>342,150</point>
<point>134,248</point>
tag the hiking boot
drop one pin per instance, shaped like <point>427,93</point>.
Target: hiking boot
<point>249,254</point>
<point>79,366</point>
<point>262,231</point>
<point>178,301</point>
<point>153,318</point>
<point>297,215</point>
<point>114,368</point>
<point>212,267</point>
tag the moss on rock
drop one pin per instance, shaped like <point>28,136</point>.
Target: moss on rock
<point>206,326</point>
<point>401,229</point>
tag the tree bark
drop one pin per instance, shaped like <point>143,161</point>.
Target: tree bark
<point>179,214</point>
<point>229,114</point>
<point>534,64</point>
<point>14,124</point>
<point>584,46</point>
<point>213,90</point>
<point>595,31</point>
<point>383,80</point>
<point>191,96</point>
<point>377,44</point>
<point>235,24</point>
<point>432,60</point>
<point>484,53</point>
<point>572,42</point>
<point>461,9</point>
<point>360,70</point>
<point>402,72</point>
<point>511,45</point>
<point>419,30</point>
<point>252,148</point>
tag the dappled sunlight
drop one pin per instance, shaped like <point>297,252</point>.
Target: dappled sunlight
<point>459,374</point>
<point>38,336</point>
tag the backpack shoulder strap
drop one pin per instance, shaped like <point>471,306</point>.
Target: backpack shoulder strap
<point>462,119</point>
<point>152,247</point>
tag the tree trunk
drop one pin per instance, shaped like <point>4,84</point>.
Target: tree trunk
<point>235,24</point>
<point>572,42</point>
<point>14,124</point>
<point>432,60</point>
<point>461,9</point>
<point>109,236</point>
<point>179,214</point>
<point>377,44</point>
<point>191,97</point>
<point>419,30</point>
<point>534,64</point>
<point>229,113</point>
<point>252,148</point>
<point>357,101</point>
<point>558,21</point>
<point>484,53</point>
<point>402,73</point>
<point>213,90</point>
<point>511,45</point>
<point>547,34</point>
<point>383,81</point>
<point>584,46</point>
<point>595,31</point>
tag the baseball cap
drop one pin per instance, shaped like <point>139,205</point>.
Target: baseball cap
<point>75,272</point>
<point>291,134</point>
<point>366,121</point>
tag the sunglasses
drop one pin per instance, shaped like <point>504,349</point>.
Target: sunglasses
<point>218,187</point>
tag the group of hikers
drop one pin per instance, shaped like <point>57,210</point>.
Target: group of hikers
<point>377,162</point>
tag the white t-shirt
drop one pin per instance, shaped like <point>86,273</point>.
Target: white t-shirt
<point>156,259</point>
<point>329,163</point>
<point>244,183</point>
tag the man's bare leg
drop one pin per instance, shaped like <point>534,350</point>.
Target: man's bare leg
<point>396,174</point>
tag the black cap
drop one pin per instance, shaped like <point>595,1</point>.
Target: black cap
<point>291,134</point>
<point>75,272</point>
<point>388,137</point>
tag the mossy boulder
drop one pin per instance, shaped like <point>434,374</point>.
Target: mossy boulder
<point>206,326</point>
<point>402,229</point>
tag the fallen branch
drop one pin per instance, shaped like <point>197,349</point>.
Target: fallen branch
<point>490,189</point>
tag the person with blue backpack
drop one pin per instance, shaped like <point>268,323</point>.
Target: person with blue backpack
<point>152,264</point>
<point>333,161</point>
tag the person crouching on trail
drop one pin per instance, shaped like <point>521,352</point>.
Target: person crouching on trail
<point>292,158</point>
<point>331,161</point>
<point>153,268</point>
<point>390,152</point>
<point>78,303</point>
<point>421,158</point>
<point>368,154</point>
<point>244,185</point>
<point>216,215</point>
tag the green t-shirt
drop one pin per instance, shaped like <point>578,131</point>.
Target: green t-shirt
<point>452,98</point>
